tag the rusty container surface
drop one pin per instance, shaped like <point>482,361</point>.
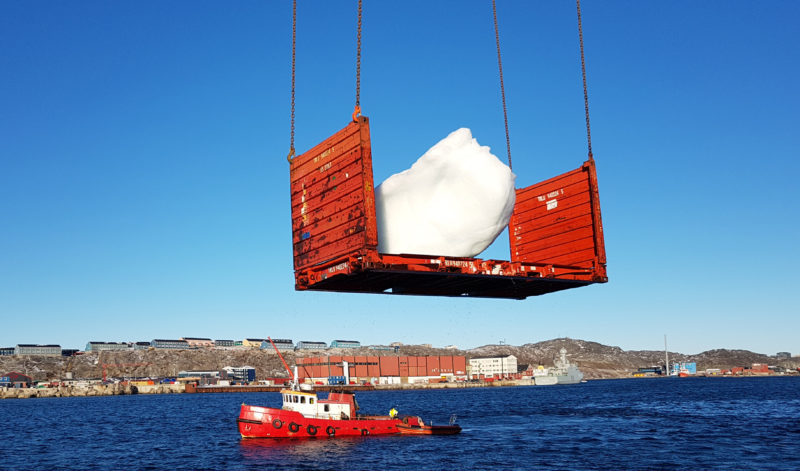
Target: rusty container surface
<point>557,222</point>
<point>373,367</point>
<point>389,366</point>
<point>333,202</point>
<point>361,366</point>
<point>433,366</point>
<point>445,364</point>
<point>459,365</point>
<point>556,241</point>
<point>335,366</point>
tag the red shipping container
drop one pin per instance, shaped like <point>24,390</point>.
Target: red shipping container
<point>412,361</point>
<point>433,366</point>
<point>389,366</point>
<point>361,367</point>
<point>459,365</point>
<point>373,369</point>
<point>556,232</point>
<point>335,367</point>
<point>445,364</point>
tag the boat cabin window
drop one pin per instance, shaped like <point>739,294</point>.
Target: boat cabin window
<point>327,408</point>
<point>310,400</point>
<point>302,399</point>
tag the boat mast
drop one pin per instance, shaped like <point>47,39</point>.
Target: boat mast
<point>666,353</point>
<point>293,375</point>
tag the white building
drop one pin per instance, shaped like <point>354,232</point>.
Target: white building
<point>493,366</point>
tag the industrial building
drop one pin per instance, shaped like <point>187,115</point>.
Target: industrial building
<point>383,369</point>
<point>6,351</point>
<point>245,374</point>
<point>493,367</point>
<point>224,343</point>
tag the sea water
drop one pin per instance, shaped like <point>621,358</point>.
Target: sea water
<point>686,423</point>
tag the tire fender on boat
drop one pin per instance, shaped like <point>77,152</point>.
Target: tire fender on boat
<point>311,429</point>
<point>293,427</point>
<point>330,431</point>
<point>277,423</point>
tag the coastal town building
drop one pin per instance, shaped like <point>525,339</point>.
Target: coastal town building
<point>6,351</point>
<point>224,343</point>
<point>345,344</point>
<point>198,342</point>
<point>95,346</point>
<point>783,355</point>
<point>384,348</point>
<point>308,345</point>
<point>39,350</point>
<point>253,343</point>
<point>170,344</point>
<point>141,345</point>
<point>239,373</point>
<point>493,367</point>
<point>15,380</point>
<point>280,344</point>
<point>203,374</point>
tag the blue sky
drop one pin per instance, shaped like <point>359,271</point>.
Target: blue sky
<point>144,185</point>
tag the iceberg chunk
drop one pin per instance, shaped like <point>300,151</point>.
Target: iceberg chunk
<point>454,201</point>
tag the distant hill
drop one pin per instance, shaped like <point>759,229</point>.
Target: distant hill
<point>602,361</point>
<point>597,361</point>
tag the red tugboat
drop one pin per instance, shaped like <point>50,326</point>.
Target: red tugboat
<point>305,415</point>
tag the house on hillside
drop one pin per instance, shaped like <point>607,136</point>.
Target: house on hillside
<point>15,380</point>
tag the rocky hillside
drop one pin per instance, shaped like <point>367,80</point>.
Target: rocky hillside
<point>595,360</point>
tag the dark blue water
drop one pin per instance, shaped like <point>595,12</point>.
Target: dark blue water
<point>692,423</point>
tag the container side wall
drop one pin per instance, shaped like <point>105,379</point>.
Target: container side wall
<point>459,365</point>
<point>558,222</point>
<point>333,202</point>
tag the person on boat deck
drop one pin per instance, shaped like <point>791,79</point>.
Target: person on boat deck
<point>393,412</point>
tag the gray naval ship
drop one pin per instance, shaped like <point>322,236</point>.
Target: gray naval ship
<point>562,373</point>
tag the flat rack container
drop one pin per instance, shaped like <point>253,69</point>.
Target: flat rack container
<point>556,233</point>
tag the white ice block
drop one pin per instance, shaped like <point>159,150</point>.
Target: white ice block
<point>455,200</point>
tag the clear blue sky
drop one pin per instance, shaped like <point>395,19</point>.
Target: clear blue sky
<point>144,185</point>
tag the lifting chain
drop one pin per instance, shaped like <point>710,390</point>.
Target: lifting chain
<point>357,110</point>
<point>585,92</point>
<point>502,88</point>
<point>294,48</point>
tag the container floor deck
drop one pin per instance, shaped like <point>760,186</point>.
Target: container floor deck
<point>444,284</point>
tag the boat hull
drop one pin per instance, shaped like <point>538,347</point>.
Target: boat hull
<point>429,430</point>
<point>267,422</point>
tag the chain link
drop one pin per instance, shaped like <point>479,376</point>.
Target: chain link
<point>502,87</point>
<point>357,110</point>
<point>585,90</point>
<point>294,48</point>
